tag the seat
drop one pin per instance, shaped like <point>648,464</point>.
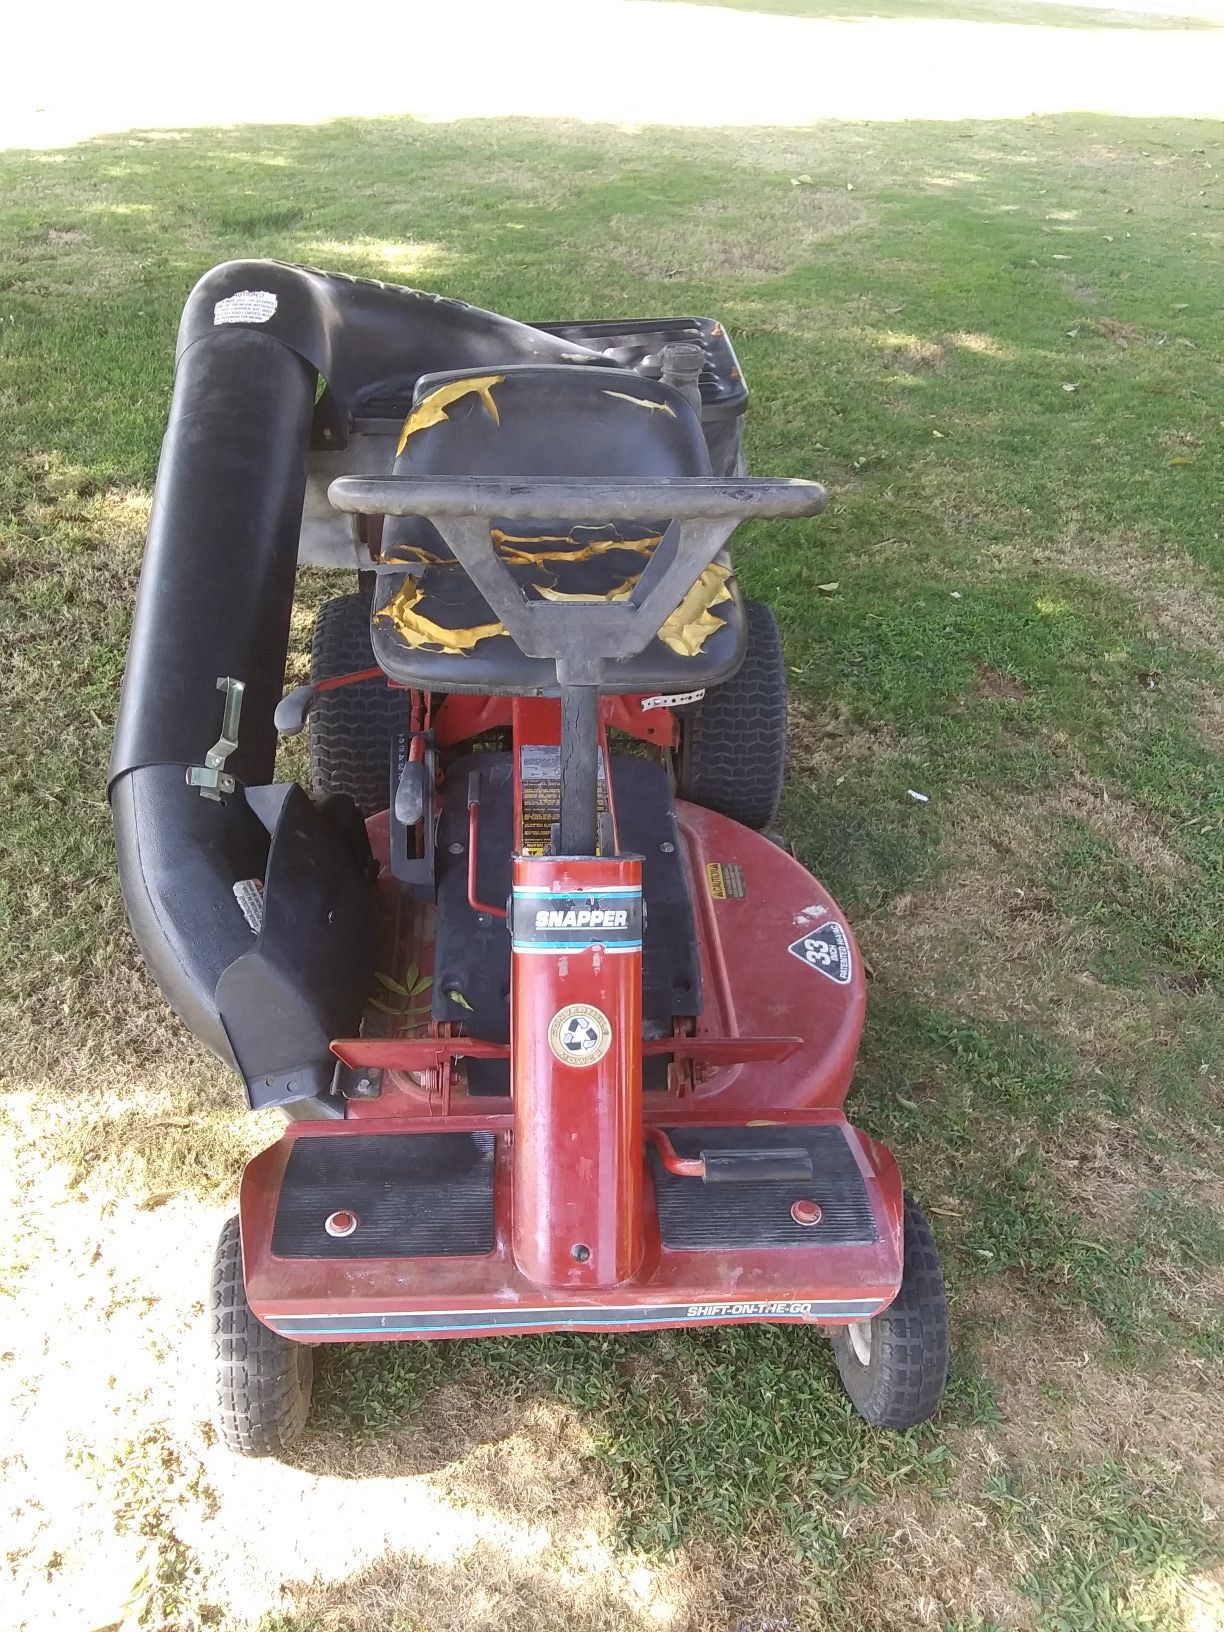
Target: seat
<point>431,626</point>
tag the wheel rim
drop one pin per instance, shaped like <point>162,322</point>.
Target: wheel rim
<point>860,1340</point>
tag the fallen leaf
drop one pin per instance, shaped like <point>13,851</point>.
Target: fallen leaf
<point>828,589</point>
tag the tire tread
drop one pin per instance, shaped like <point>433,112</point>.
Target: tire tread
<point>353,727</point>
<point>904,1381</point>
<point>262,1379</point>
<point>733,755</point>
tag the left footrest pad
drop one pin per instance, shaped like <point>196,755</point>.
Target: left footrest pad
<point>427,1195</point>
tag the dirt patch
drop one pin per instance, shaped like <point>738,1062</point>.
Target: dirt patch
<point>997,686</point>
<point>909,354</point>
<point>119,1503</point>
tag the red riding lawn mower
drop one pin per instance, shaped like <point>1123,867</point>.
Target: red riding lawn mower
<point>563,1034</point>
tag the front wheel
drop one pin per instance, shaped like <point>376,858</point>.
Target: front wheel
<point>894,1366</point>
<point>263,1381</point>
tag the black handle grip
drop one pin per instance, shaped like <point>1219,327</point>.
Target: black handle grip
<point>756,1166</point>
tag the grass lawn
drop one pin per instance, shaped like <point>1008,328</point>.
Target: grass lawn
<point>1000,347</point>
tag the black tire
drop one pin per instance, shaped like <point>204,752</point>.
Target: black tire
<point>902,1381</point>
<point>263,1381</point>
<point>732,755</point>
<point>353,727</point>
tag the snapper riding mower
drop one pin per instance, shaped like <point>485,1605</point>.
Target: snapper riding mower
<point>562,1035</point>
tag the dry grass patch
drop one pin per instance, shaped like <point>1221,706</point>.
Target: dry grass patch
<point>529,1538</point>
<point>1119,822</point>
<point>990,940</point>
<point>930,1561</point>
<point>1172,594</point>
<point>822,739</point>
<point>1209,715</point>
<point>719,238</point>
<point>1057,1399</point>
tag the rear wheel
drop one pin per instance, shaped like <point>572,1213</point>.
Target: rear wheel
<point>894,1367</point>
<point>732,755</point>
<point>263,1381</point>
<point>352,728</point>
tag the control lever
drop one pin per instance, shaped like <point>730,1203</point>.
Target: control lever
<point>295,705</point>
<point>750,1166</point>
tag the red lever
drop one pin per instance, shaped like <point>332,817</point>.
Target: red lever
<point>685,1167</point>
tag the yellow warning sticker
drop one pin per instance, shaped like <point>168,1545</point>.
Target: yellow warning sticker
<point>726,880</point>
<point>540,770</point>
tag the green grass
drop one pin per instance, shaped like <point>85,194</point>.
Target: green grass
<point>1026,627</point>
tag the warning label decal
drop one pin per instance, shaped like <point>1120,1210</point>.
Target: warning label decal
<point>540,770</point>
<point>726,880</point>
<point>247,306</point>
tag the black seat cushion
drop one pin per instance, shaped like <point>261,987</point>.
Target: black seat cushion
<point>432,628</point>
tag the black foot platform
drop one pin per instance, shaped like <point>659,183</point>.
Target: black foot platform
<point>413,1196</point>
<point>699,1217</point>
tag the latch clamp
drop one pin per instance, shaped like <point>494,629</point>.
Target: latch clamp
<point>212,779</point>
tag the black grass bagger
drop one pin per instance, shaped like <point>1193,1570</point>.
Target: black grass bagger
<point>562,1035</point>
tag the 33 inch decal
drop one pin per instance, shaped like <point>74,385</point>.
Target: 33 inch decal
<point>827,950</point>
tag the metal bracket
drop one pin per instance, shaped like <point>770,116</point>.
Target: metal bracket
<point>357,1082</point>
<point>212,779</point>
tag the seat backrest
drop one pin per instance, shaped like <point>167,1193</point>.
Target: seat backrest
<point>545,421</point>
